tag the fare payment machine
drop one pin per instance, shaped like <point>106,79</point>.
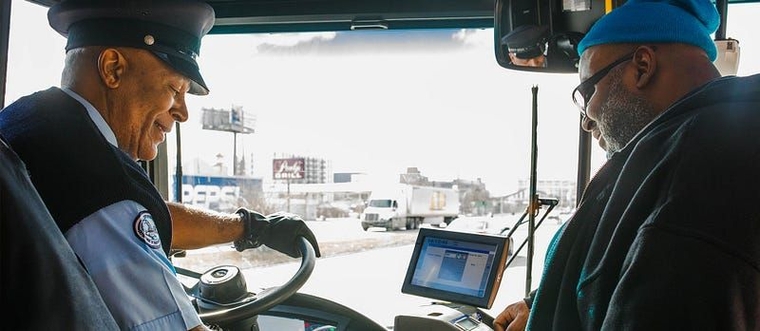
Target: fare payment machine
<point>462,270</point>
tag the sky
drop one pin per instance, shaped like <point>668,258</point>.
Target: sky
<point>367,103</point>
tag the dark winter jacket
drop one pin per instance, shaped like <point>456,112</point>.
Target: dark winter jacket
<point>667,235</point>
<point>74,168</point>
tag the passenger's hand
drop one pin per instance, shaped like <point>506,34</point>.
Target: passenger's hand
<point>284,231</point>
<point>512,318</point>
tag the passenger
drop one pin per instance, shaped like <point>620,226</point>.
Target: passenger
<point>128,67</point>
<point>667,234</point>
<point>33,249</point>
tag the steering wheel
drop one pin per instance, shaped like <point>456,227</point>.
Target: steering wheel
<point>222,297</point>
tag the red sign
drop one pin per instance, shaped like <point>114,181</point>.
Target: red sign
<point>288,168</point>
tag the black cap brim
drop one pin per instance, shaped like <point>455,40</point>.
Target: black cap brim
<point>188,68</point>
<point>529,53</point>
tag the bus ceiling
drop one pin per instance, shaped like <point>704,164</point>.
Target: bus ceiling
<point>263,16</point>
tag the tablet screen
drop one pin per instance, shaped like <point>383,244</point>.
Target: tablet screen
<point>458,267</point>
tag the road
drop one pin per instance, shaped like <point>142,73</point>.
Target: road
<point>368,278</point>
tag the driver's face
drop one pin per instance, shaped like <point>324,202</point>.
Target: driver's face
<point>537,61</point>
<point>149,101</point>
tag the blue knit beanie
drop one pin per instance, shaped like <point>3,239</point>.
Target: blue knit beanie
<point>652,21</point>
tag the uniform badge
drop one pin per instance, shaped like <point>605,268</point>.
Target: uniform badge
<point>145,229</point>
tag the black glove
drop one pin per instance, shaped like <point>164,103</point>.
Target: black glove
<point>284,231</point>
<point>256,225</point>
<point>278,231</point>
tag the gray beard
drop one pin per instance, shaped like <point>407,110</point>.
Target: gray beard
<point>623,115</point>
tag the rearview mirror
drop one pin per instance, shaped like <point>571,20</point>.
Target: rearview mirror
<point>531,47</point>
<point>542,35</point>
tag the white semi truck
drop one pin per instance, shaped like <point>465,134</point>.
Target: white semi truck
<point>408,206</point>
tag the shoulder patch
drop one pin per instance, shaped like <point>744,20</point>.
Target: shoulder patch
<point>145,229</point>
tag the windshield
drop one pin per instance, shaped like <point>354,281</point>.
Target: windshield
<point>475,225</point>
<point>311,123</point>
<point>380,203</point>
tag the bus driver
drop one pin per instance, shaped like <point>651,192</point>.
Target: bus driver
<point>128,67</point>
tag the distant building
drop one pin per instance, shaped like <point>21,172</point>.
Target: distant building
<point>562,190</point>
<point>517,202</point>
<point>302,170</point>
<point>346,177</point>
<point>474,197</point>
<point>317,171</point>
<point>413,176</point>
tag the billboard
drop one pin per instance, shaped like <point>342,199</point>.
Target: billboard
<point>220,193</point>
<point>231,120</point>
<point>292,168</point>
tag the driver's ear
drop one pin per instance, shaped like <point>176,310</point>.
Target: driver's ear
<point>111,66</point>
<point>645,62</point>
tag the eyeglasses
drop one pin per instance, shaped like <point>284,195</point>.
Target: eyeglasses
<point>586,89</point>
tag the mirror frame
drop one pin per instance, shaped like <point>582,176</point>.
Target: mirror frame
<point>509,14</point>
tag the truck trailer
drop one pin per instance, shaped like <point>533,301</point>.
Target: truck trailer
<point>409,206</point>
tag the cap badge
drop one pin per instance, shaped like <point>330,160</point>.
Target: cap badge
<point>149,40</point>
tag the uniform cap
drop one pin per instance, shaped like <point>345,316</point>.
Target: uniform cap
<point>657,21</point>
<point>170,29</point>
<point>526,41</point>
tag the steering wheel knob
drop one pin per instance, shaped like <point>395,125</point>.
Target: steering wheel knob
<point>222,284</point>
